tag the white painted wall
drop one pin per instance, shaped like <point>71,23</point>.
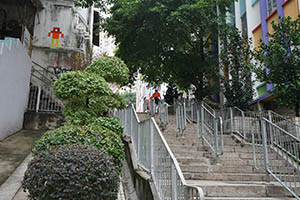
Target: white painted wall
<point>76,25</point>
<point>253,19</point>
<point>15,68</point>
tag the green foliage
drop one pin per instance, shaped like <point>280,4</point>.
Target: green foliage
<point>79,112</point>
<point>112,69</point>
<point>130,97</point>
<point>80,85</point>
<point>281,56</point>
<point>86,94</point>
<point>237,83</point>
<point>76,172</point>
<point>169,41</point>
<point>171,94</point>
<point>110,123</point>
<point>102,4</point>
<point>94,135</point>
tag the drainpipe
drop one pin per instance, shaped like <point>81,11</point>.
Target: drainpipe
<point>91,23</point>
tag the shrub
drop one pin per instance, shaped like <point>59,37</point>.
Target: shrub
<point>110,123</point>
<point>77,172</point>
<point>112,69</point>
<point>80,85</point>
<point>97,136</point>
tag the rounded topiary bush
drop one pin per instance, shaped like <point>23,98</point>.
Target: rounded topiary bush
<point>77,172</point>
<point>112,69</point>
<point>97,136</point>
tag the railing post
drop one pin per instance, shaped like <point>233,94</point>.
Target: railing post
<point>125,121</point>
<point>184,115</point>
<point>231,120</point>
<point>253,146</point>
<point>174,182</point>
<point>38,99</point>
<point>151,147</point>
<point>221,134</point>
<point>243,124</point>
<point>216,139</point>
<point>131,120</point>
<point>270,126</point>
<point>202,119</point>
<point>198,122</point>
<point>266,158</point>
<point>138,141</point>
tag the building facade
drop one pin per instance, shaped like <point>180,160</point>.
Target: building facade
<point>253,18</point>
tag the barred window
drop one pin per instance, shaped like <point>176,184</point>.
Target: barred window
<point>271,6</point>
<point>244,25</point>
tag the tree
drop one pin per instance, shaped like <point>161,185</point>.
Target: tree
<point>237,83</point>
<point>130,97</point>
<point>279,61</point>
<point>86,94</point>
<point>169,41</point>
<point>171,94</point>
<point>103,4</point>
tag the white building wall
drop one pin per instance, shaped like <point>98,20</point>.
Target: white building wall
<point>253,17</point>
<point>76,25</point>
<point>238,22</point>
<point>253,20</point>
<point>15,68</point>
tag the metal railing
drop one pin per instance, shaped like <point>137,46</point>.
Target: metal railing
<point>242,122</point>
<point>41,97</point>
<point>152,107</point>
<point>275,144</point>
<point>163,114</point>
<point>191,110</point>
<point>180,118</point>
<point>210,129</point>
<point>281,155</point>
<point>155,156</point>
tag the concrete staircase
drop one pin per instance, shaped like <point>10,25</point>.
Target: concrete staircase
<point>234,177</point>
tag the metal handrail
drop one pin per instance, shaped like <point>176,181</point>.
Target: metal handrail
<point>163,113</point>
<point>144,141</point>
<point>209,131</point>
<point>45,69</point>
<point>286,168</point>
<point>180,118</point>
<point>209,108</point>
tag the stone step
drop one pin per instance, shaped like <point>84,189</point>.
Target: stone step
<point>248,198</point>
<point>241,189</point>
<point>204,168</point>
<point>241,155</point>
<point>192,160</point>
<point>178,148</point>
<point>194,154</point>
<point>224,176</point>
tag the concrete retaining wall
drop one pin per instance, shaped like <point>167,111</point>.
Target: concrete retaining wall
<point>43,121</point>
<point>15,68</point>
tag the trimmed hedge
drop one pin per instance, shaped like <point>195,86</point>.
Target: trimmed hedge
<point>97,136</point>
<point>77,172</point>
<point>110,123</point>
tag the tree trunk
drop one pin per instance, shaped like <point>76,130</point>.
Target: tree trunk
<point>87,102</point>
<point>297,110</point>
<point>198,94</point>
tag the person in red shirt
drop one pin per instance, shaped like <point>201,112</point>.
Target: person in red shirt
<point>156,97</point>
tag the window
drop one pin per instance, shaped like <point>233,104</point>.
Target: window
<point>271,4</point>
<point>244,25</point>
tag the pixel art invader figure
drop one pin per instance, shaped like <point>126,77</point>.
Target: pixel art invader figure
<point>55,36</point>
